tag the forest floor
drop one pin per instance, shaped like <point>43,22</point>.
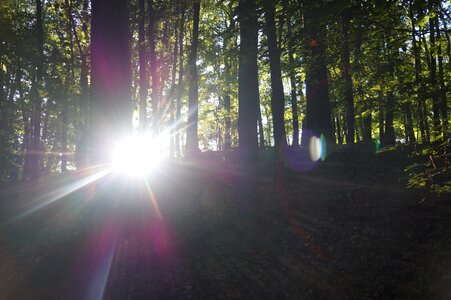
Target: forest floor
<point>347,228</point>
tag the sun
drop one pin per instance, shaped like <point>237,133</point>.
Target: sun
<point>136,155</point>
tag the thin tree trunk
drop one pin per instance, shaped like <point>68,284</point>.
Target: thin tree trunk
<point>179,82</point>
<point>389,130</point>
<point>228,83</point>
<point>433,73</point>
<point>338,129</point>
<point>442,88</point>
<point>35,144</point>
<point>418,81</point>
<point>153,69</point>
<point>381,118</point>
<point>261,132</point>
<point>192,142</point>
<point>82,140</point>
<point>172,95</point>
<point>277,93</point>
<point>294,102</point>
<point>69,79</point>
<point>367,125</point>
<point>142,68</point>
<point>348,93</point>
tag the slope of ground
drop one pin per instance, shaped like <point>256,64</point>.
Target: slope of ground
<point>344,229</point>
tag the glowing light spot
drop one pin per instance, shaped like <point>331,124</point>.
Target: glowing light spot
<point>317,148</point>
<point>137,155</point>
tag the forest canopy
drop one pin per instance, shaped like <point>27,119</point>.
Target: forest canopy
<point>217,75</point>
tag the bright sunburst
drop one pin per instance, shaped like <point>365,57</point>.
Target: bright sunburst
<point>137,155</point>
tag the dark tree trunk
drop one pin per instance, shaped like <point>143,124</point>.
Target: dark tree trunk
<point>389,130</point>
<point>248,81</point>
<point>192,140</point>
<point>35,155</point>
<point>142,68</point>
<point>294,102</point>
<point>81,159</point>
<point>418,81</point>
<point>367,126</point>
<point>348,93</point>
<point>153,69</point>
<point>178,107</point>
<point>277,94</point>
<point>64,129</point>
<point>261,132</point>
<point>433,72</point>
<point>228,82</point>
<point>69,79</point>
<point>338,129</point>
<point>111,117</point>
<point>172,95</point>
<point>409,122</point>
<point>381,118</point>
<point>442,88</point>
<point>318,111</point>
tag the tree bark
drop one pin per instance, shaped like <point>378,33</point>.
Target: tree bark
<point>318,111</point>
<point>111,114</point>
<point>142,68</point>
<point>294,102</point>
<point>228,83</point>
<point>442,89</point>
<point>35,155</point>
<point>433,72</point>
<point>192,141</point>
<point>81,151</point>
<point>179,82</point>
<point>153,69</point>
<point>248,81</point>
<point>348,93</point>
<point>418,81</point>
<point>277,93</point>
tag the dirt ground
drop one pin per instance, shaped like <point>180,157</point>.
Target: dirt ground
<point>344,229</point>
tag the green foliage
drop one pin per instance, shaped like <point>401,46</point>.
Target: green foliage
<point>431,169</point>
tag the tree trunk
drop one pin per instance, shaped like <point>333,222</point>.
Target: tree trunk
<point>111,113</point>
<point>389,131</point>
<point>318,111</point>
<point>228,83</point>
<point>367,125</point>
<point>442,88</point>
<point>192,141</point>
<point>348,93</point>
<point>338,128</point>
<point>81,153</point>
<point>381,118</point>
<point>153,69</point>
<point>433,72</point>
<point>409,122</point>
<point>418,81</point>
<point>261,132</point>
<point>179,82</point>
<point>142,68</point>
<point>35,144</point>
<point>173,97</point>
<point>248,81</point>
<point>277,94</point>
<point>294,102</point>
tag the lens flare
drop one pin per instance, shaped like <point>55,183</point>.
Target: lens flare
<point>317,148</point>
<point>137,155</point>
